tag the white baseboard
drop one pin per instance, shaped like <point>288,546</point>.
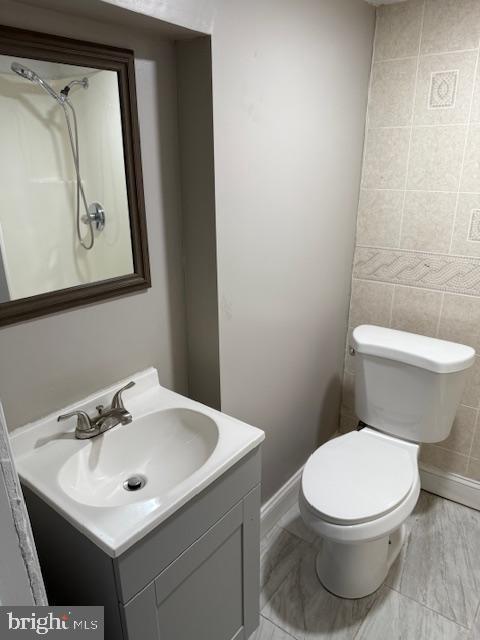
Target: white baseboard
<point>451,486</point>
<point>278,505</point>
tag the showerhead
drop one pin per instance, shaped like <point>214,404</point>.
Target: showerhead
<point>28,74</point>
<point>24,72</point>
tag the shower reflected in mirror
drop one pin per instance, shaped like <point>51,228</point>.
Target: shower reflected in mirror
<point>92,213</point>
<point>62,136</point>
<point>72,219</point>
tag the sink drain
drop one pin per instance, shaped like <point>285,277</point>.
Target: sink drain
<point>134,483</point>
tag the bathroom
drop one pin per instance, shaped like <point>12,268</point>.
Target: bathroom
<point>272,175</point>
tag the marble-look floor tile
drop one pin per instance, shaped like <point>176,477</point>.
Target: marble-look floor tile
<point>440,565</point>
<point>279,554</point>
<point>268,631</point>
<point>475,630</point>
<point>397,617</point>
<point>292,522</point>
<point>305,610</point>
<point>395,573</point>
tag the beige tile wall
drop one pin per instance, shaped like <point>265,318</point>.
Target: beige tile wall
<point>417,259</point>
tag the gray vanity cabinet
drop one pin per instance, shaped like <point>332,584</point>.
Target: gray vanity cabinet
<point>200,595</point>
<point>196,576</point>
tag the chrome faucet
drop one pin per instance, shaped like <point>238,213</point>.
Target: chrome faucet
<point>104,420</point>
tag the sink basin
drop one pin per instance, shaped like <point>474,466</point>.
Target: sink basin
<point>163,448</point>
<point>120,485</point>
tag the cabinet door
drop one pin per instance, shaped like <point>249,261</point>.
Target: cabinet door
<point>202,595</point>
<point>201,598</point>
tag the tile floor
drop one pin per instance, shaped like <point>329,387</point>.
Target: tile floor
<point>431,593</point>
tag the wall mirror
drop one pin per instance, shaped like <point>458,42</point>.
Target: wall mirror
<point>72,214</point>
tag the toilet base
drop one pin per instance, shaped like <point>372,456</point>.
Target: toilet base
<point>357,570</point>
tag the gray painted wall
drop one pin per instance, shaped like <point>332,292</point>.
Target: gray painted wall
<point>194,79</point>
<point>290,84</point>
<point>289,92</point>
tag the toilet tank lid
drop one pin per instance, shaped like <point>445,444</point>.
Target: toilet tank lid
<point>433,354</point>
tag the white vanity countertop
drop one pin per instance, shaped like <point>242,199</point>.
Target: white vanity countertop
<point>180,446</point>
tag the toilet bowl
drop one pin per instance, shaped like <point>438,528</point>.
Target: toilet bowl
<point>358,489</point>
<point>373,485</point>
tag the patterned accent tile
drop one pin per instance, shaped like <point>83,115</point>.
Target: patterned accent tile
<point>432,271</point>
<point>474,231</point>
<point>466,234</point>
<point>443,89</point>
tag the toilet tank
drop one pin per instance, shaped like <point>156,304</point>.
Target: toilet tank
<point>408,385</point>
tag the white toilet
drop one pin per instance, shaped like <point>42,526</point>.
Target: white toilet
<point>358,489</point>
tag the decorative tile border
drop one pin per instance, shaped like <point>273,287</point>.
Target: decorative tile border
<point>443,89</point>
<point>430,271</point>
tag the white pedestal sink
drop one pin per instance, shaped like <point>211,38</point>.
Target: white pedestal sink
<point>175,446</point>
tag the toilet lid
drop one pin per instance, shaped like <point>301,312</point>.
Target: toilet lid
<point>356,478</point>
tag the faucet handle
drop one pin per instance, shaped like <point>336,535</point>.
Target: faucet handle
<point>83,420</point>
<point>117,402</point>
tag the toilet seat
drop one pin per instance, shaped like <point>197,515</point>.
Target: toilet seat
<point>358,478</point>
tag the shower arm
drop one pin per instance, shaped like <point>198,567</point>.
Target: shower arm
<point>66,89</point>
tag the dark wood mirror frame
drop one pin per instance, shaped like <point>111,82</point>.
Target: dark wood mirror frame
<point>40,46</point>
